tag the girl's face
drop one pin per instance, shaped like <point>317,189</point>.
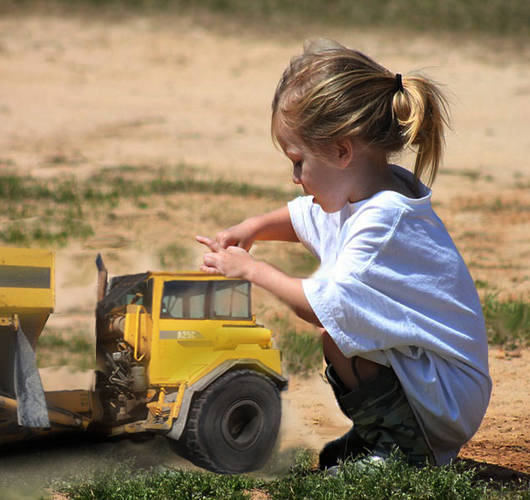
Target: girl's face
<point>319,175</point>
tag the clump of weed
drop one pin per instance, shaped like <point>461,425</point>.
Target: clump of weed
<point>295,260</point>
<point>301,350</point>
<point>507,321</point>
<point>125,484</point>
<point>304,462</point>
<point>301,262</point>
<point>392,479</point>
<point>481,284</point>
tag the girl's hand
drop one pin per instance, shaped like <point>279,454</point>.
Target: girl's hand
<point>240,235</point>
<point>236,262</point>
<point>232,262</point>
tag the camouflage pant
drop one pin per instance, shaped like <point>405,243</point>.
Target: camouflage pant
<point>382,417</point>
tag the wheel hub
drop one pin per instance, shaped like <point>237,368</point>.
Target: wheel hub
<point>242,424</point>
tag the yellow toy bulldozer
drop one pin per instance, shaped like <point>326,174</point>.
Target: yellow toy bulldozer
<point>177,353</point>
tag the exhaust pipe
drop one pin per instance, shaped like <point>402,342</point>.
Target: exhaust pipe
<point>102,278</point>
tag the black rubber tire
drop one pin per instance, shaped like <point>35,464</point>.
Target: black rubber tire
<point>233,424</point>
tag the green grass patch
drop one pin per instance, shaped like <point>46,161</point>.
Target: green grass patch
<point>55,211</point>
<point>109,186</point>
<point>391,480</point>
<point>74,349</point>
<point>507,321</point>
<point>498,17</point>
<point>46,230</point>
<point>468,173</point>
<point>496,205</point>
<point>75,344</point>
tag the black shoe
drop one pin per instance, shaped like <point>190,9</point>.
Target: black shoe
<point>348,446</point>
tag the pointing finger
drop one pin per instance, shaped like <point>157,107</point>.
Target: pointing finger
<point>211,244</point>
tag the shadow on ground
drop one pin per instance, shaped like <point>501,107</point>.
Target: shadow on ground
<point>493,472</point>
<point>28,468</point>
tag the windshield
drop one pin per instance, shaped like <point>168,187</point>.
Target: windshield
<point>221,299</point>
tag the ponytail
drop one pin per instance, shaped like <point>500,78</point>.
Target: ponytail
<point>421,112</point>
<point>331,92</point>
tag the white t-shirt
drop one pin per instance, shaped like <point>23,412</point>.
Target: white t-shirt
<point>393,288</point>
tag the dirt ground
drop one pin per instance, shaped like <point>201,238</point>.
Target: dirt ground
<point>84,92</point>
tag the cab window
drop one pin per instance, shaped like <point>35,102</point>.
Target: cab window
<point>231,299</point>
<point>184,299</point>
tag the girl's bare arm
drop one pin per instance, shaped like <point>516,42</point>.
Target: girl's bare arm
<point>275,225</point>
<point>287,288</point>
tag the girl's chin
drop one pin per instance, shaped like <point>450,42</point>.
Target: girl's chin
<point>328,209</point>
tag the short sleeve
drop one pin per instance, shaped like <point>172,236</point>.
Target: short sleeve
<point>305,223</point>
<point>356,315</point>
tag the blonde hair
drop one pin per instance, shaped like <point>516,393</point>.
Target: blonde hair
<point>330,92</point>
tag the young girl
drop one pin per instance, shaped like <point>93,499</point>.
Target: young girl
<point>401,322</point>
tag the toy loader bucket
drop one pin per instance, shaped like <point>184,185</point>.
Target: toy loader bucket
<point>26,300</point>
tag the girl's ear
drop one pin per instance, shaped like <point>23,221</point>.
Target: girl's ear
<point>344,152</point>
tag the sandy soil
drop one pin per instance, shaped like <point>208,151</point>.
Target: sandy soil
<point>87,92</point>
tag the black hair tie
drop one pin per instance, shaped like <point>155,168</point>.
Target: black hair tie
<point>399,83</point>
